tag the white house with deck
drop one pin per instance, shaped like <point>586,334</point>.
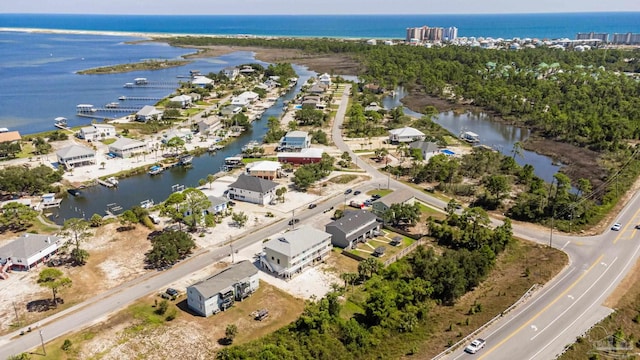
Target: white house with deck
<point>220,291</point>
<point>253,190</point>
<point>28,250</point>
<point>405,134</point>
<point>292,252</point>
<point>76,155</point>
<point>125,147</point>
<point>148,113</point>
<point>97,132</point>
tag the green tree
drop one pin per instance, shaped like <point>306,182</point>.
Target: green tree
<point>128,219</point>
<point>240,218</point>
<point>230,332</point>
<point>497,185</point>
<point>96,220</point>
<point>77,230</point>
<point>169,247</point>
<point>55,280</point>
<point>17,217</point>
<point>195,204</point>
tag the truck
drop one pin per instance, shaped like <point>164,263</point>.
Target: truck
<point>356,204</point>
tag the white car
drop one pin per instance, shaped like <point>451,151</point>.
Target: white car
<point>475,346</point>
<point>616,227</point>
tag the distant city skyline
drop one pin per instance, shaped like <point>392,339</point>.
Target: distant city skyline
<point>328,7</point>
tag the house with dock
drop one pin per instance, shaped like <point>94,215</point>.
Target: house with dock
<point>125,147</point>
<point>220,291</point>
<point>148,113</point>
<point>28,251</point>
<point>75,155</point>
<point>292,252</point>
<point>253,190</point>
<point>201,81</point>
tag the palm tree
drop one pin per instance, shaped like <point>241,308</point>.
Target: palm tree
<point>517,150</point>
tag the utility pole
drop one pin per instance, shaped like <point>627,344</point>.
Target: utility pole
<point>553,214</point>
<point>44,351</point>
<point>15,309</point>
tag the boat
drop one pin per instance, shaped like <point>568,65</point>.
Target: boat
<point>128,85</point>
<point>4,130</point>
<point>156,169</point>
<point>470,137</point>
<point>60,122</point>
<point>250,145</point>
<point>147,204</point>
<point>215,147</point>
<point>113,181</point>
<point>74,192</point>
<point>112,105</point>
<point>185,159</point>
<point>122,98</point>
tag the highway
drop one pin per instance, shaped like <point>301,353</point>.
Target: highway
<point>539,328</point>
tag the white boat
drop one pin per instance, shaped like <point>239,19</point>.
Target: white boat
<point>470,137</point>
<point>122,98</point>
<point>113,181</point>
<point>146,204</point>
<point>4,130</point>
<point>60,122</point>
<point>186,159</point>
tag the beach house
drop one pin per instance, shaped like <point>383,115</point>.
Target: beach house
<point>304,156</point>
<point>252,189</point>
<point>97,132</point>
<point>148,113</point>
<point>231,72</point>
<point>125,147</point>
<point>325,79</point>
<point>383,204</point>
<point>354,227</point>
<point>427,148</point>
<point>220,291</point>
<point>292,252</point>
<point>201,81</point>
<point>295,141</point>
<point>28,250</point>
<point>405,134</point>
<point>183,100</point>
<point>76,155</point>
<point>264,169</point>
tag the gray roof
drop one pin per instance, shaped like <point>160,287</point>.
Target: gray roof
<point>396,197</point>
<point>225,278</point>
<point>252,183</point>
<point>296,134</point>
<point>215,201</point>
<point>124,143</point>
<point>295,242</point>
<point>148,110</point>
<point>73,151</point>
<point>424,146</point>
<point>27,245</point>
<point>353,220</point>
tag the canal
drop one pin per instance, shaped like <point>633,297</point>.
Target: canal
<point>133,190</point>
<point>494,134</point>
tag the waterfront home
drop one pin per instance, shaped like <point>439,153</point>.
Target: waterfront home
<point>209,125</point>
<point>405,134</point>
<point>76,155</point>
<point>295,141</point>
<point>318,89</point>
<point>97,132</point>
<point>201,81</point>
<point>220,291</point>
<point>325,79</point>
<point>264,169</point>
<point>245,99</point>
<point>304,156</point>
<point>10,137</point>
<point>231,72</point>
<point>252,189</point>
<point>427,148</point>
<point>230,110</point>
<point>292,252</point>
<point>352,228</point>
<point>125,147</point>
<point>383,204</point>
<point>28,250</point>
<point>148,113</point>
<point>183,100</point>
<point>184,134</point>
<point>373,107</point>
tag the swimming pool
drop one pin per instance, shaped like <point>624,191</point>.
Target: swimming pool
<point>447,152</point>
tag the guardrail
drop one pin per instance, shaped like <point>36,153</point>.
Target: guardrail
<point>526,295</point>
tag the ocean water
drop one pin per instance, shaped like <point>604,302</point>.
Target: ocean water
<point>353,26</point>
<point>40,83</point>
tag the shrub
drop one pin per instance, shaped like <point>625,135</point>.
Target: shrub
<point>66,345</point>
<point>162,307</point>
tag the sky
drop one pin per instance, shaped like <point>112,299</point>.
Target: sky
<point>313,7</point>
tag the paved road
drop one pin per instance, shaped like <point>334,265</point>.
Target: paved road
<point>538,329</point>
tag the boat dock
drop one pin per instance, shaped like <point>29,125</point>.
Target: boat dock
<point>105,183</point>
<point>113,209</point>
<point>114,109</point>
<point>139,98</point>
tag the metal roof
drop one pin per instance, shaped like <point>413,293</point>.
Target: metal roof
<point>353,220</point>
<point>73,151</point>
<point>252,183</point>
<point>225,278</point>
<point>27,245</point>
<point>297,241</point>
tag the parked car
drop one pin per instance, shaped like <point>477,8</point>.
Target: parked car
<point>616,227</point>
<point>327,210</point>
<point>638,226</point>
<point>348,191</point>
<point>475,346</point>
<point>375,196</point>
<point>357,192</point>
<point>294,221</point>
<point>232,203</point>
<point>312,206</point>
<point>172,292</point>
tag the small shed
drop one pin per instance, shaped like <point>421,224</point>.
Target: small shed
<point>379,251</point>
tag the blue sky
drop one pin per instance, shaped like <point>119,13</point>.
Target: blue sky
<point>293,7</point>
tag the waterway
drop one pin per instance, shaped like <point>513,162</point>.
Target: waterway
<point>495,134</point>
<point>133,190</point>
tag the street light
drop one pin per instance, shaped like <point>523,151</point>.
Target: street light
<point>44,351</point>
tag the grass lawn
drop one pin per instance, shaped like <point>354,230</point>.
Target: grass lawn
<point>381,192</point>
<point>343,179</point>
<point>429,211</point>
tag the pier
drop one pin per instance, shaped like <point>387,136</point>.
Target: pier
<point>139,98</point>
<point>105,183</point>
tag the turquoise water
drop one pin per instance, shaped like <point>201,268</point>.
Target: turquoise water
<point>378,26</point>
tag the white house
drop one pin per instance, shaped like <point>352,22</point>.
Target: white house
<point>231,72</point>
<point>183,100</point>
<point>201,81</point>
<point>245,98</point>
<point>293,251</point>
<point>28,250</point>
<point>125,147</point>
<point>405,134</point>
<point>76,155</point>
<point>97,132</point>
<point>295,141</point>
<point>325,79</point>
<point>354,227</point>
<point>252,189</point>
<point>427,148</point>
<point>184,134</point>
<point>209,125</point>
<point>264,169</point>
<point>148,113</point>
<point>220,291</point>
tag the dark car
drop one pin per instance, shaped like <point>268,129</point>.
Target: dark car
<point>348,191</point>
<point>172,292</point>
<point>357,192</point>
<point>375,196</point>
<point>312,206</point>
<point>294,221</point>
<point>231,203</point>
